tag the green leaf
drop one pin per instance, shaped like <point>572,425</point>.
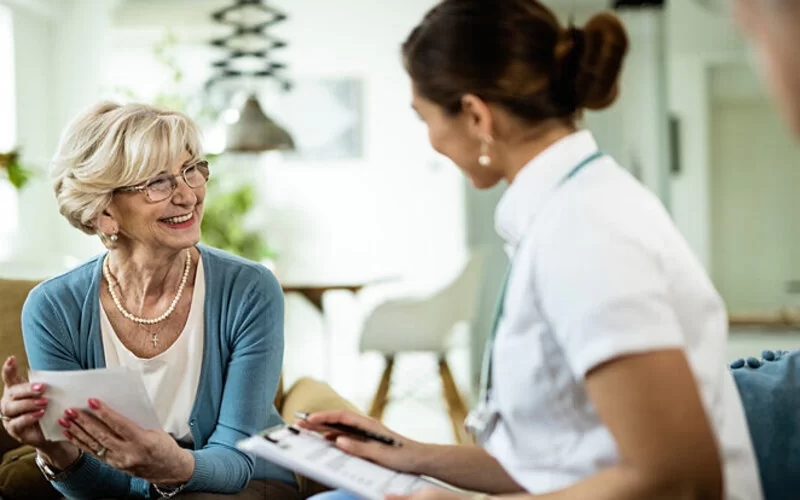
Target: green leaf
<point>17,174</point>
<point>223,223</point>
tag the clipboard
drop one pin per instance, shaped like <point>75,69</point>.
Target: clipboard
<point>314,456</point>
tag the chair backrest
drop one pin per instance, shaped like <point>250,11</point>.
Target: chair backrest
<point>425,323</point>
<point>12,296</point>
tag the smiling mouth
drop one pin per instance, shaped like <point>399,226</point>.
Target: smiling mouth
<point>179,219</point>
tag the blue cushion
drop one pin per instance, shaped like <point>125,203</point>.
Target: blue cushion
<point>770,392</point>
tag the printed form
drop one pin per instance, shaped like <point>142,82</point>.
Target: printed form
<point>314,456</point>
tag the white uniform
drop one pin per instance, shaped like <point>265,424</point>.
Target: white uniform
<point>599,271</point>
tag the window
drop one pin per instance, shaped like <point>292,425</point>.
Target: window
<point>8,195</point>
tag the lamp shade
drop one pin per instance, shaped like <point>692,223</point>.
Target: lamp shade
<point>255,132</point>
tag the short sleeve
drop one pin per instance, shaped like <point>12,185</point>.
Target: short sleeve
<point>603,288</point>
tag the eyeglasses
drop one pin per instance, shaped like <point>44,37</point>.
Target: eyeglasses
<point>161,187</point>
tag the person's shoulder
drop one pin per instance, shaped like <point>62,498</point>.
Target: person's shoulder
<point>607,201</point>
<point>603,217</point>
<point>229,271</point>
<point>68,288</point>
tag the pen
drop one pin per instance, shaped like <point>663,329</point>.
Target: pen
<point>355,431</point>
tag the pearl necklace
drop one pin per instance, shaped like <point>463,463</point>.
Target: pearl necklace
<point>147,321</point>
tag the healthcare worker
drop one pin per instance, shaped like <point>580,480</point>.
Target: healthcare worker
<point>607,377</point>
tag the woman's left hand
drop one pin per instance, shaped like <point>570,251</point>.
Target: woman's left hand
<point>152,455</point>
<point>430,494</point>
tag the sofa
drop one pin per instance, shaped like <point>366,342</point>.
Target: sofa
<point>19,476</point>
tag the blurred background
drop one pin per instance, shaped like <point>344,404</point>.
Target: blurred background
<point>322,172</point>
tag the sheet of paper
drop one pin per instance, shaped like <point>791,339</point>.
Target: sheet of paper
<point>314,456</point>
<point>120,388</point>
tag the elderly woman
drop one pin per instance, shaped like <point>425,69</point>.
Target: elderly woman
<point>204,328</point>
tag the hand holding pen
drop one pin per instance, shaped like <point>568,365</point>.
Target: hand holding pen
<point>350,430</point>
<point>366,438</point>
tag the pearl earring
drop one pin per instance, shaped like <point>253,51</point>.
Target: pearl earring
<point>113,238</point>
<point>484,159</point>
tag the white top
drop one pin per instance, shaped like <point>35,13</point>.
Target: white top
<point>599,271</point>
<point>171,378</point>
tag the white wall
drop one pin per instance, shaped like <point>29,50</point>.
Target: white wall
<point>34,130</point>
<point>700,44</point>
<point>59,50</point>
<point>8,120</point>
<point>8,125</point>
<point>698,39</point>
<point>400,209</point>
<point>644,98</point>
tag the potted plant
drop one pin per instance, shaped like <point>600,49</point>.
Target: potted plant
<point>10,166</point>
<point>224,224</point>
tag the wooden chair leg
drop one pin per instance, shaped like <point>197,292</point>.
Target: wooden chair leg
<point>382,394</point>
<point>455,403</point>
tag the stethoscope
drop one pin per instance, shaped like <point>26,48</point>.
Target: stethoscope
<point>481,420</point>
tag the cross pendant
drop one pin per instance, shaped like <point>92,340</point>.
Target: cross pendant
<point>155,339</point>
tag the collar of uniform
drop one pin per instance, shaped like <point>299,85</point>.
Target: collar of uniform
<point>526,196</point>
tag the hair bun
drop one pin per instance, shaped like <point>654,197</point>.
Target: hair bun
<point>603,46</point>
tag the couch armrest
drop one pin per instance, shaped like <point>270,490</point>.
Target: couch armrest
<point>20,477</point>
<point>309,395</point>
<point>7,443</point>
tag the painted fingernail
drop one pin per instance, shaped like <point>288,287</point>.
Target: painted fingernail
<point>41,402</point>
<point>94,404</point>
<point>38,387</point>
<point>71,413</point>
<point>67,435</point>
<point>63,423</point>
<point>39,413</point>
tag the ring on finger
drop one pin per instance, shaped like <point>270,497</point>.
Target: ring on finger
<point>4,417</point>
<point>87,442</point>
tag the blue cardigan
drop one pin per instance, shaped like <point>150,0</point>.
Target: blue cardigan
<point>242,362</point>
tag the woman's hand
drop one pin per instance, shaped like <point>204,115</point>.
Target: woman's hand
<point>152,455</point>
<point>430,494</point>
<point>22,406</point>
<point>406,458</point>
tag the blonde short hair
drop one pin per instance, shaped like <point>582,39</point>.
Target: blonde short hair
<point>111,146</point>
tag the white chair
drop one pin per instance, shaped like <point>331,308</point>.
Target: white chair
<point>424,324</point>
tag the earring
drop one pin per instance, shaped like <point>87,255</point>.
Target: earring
<point>113,238</point>
<point>484,159</point>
